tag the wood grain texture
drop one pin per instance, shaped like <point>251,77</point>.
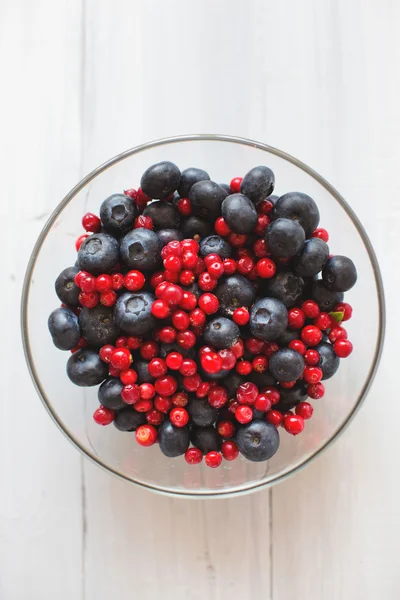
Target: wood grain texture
<point>88,79</point>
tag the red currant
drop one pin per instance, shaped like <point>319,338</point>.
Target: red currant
<point>247,393</point>
<point>154,417</point>
<point>254,345</point>
<point>186,339</point>
<point>157,367</point>
<point>108,298</point>
<point>337,333</point>
<point>121,358</point>
<point>206,282</point>
<point>180,399</point>
<point>117,281</point>
<point>189,259</point>
<point>238,348</point>
<point>260,248</point>
<point>262,223</point>
<point>346,309</point>
<point>244,414</point>
<point>237,239</point>
<point>192,383</point>
<point>296,318</point>
<point>80,241</point>
<point>229,266</point>
<point>134,342</point>
<point>186,277</point>
<point>226,429</point>
<point>274,417</point>
<point>197,317</point>
<point>304,410</point>
<point>273,394</point>
<point>174,361</point>
<point>106,352</point>
<point>213,459</point>
<point>298,346</point>
<point>230,450</point>
<point>343,348</point>
<point>188,367</point>
<point>293,424</point>
<point>179,417</point>
<point>323,321</point>
<point>130,393</point>
<point>149,349</point>
<point>146,435</point>
<point>217,397</point>
<point>316,391</point>
<point>193,456</point>
<point>91,222</point>
<point>241,315</point>
<point>103,416</point>
<point>312,357</point>
<point>312,374</point>
<point>264,207</point>
<point>128,376</point>
<point>221,227</point>
<point>162,403</point>
<point>134,281</point>
<point>143,222</point>
<point>211,362</point>
<point>188,301</point>
<point>160,309</point>
<point>184,207</point>
<point>310,309</point>
<point>311,335</point>
<point>266,268</point>
<point>245,265</point>
<point>180,320</point>
<point>260,364</point>
<point>244,367</point>
<point>203,389</point>
<point>88,283</point>
<point>166,386</point>
<point>209,303</point>
<point>321,233</point>
<point>167,335</point>
<point>103,283</point>
<point>143,406</point>
<point>189,244</point>
<point>263,403</point>
<point>235,185</point>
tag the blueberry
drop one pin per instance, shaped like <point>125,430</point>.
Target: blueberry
<point>99,253</point>
<point>160,180</point>
<point>206,198</point>
<point>329,362</point>
<point>174,441</point>
<point>287,336</point>
<point>215,244</point>
<point>312,258</point>
<point>163,214</point>
<point>221,333</point>
<point>299,207</point>
<point>286,287</point>
<point>142,370</point>
<point>226,187</point>
<point>284,238</point>
<point>197,226</point>
<point>326,299</point>
<point>232,382</point>
<point>201,412</point>
<point>291,397</point>
<point>261,380</point>
<point>273,198</point>
<point>66,288</point>
<point>98,326</point>
<point>258,440</point>
<point>234,291</point>
<point>206,438</point>
<point>141,250</point>
<point>339,274</point>
<point>85,367</point>
<point>258,184</point>
<point>268,319</point>
<point>118,213</point>
<point>188,178</point>
<point>109,394</point>
<point>128,419</point>
<point>64,328</point>
<point>239,213</point>
<point>132,313</point>
<point>286,364</point>
<point>169,235</point>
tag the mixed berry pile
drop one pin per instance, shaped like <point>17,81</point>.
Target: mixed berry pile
<point>210,316</point>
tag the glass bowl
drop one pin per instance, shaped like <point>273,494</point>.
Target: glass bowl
<point>72,407</point>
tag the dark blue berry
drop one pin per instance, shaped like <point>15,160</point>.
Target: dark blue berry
<point>232,382</point>
<point>196,226</point>
<point>339,274</point>
<point>326,299</point>
<point>142,370</point>
<point>286,287</point>
<point>98,326</point>
<point>85,368</point>
<point>298,207</point>
<point>201,412</point>
<point>109,394</point>
<point>239,213</point>
<point>160,180</point>
<point>163,214</point>
<point>188,178</point>
<point>206,198</point>
<point>215,244</point>
<point>258,184</point>
<point>206,438</point>
<point>291,397</point>
<point>268,319</point>
<point>286,364</point>
<point>174,441</point>
<point>132,313</point>
<point>118,213</point>
<point>261,380</point>
<point>99,253</point>
<point>312,258</point>
<point>64,328</point>
<point>234,291</point>
<point>258,440</point>
<point>284,238</point>
<point>287,336</point>
<point>128,419</point>
<point>169,235</point>
<point>65,286</point>
<point>329,362</point>
<point>141,250</point>
<point>221,333</point>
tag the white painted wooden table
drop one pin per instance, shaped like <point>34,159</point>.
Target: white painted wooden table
<point>82,80</point>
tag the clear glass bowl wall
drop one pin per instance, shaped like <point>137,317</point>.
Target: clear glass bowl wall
<point>72,407</point>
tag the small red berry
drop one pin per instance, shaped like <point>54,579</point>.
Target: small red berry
<point>260,248</point>
<point>273,394</point>
<point>117,281</point>
<point>143,406</point>
<point>217,397</point>
<point>263,403</point>
<point>244,414</point>
<point>189,244</point>
<point>156,279</point>
<point>173,263</point>
<point>346,309</point>
<point>296,318</point>
<point>188,301</point>
<point>266,268</point>
<point>186,277</point>
<point>161,287</point>
<point>323,321</point>
<point>310,309</point>
<point>173,248</point>
<point>143,222</point>
<point>193,456</point>
<point>247,393</point>
<point>149,350</point>
<point>228,359</point>
<point>229,450</point>
<point>213,459</point>
<point>91,222</point>
<point>305,410</point>
<point>209,303</point>
<point>245,265</point>
<point>244,367</point>
<point>293,424</point>
<point>337,333</point>
<point>157,367</point>
<point>103,416</point>
<point>146,435</point>
<point>180,399</point>
<point>260,364</point>
<point>200,267</point>
<point>80,241</point>
<point>211,362</point>
<point>166,386</point>
<point>174,360</point>
<point>226,429</point>
<point>237,239</point>
<point>316,390</point>
<point>197,317</point>
<point>274,417</point>
<point>188,367</point>
<point>189,259</point>
<point>121,358</point>
<point>312,357</point>
<point>343,348</point>
<point>121,342</point>
<point>238,348</point>
<point>106,352</point>
<point>134,342</point>
<point>321,233</point>
<point>134,281</point>
<point>287,384</point>
<point>184,207</point>
<point>167,335</point>
<point>203,389</point>
<point>186,339</point>
<point>89,299</point>
<point>312,374</point>
<point>108,298</point>
<point>229,266</point>
<point>128,376</point>
<point>140,198</point>
<point>192,383</point>
<point>270,348</point>
<point>180,320</point>
<point>311,335</point>
<point>162,403</point>
<point>298,346</point>
<point>215,269</point>
<point>171,276</point>
<point>104,283</point>
<point>254,345</point>
<point>264,207</point>
<point>130,393</point>
<point>235,185</point>
<point>160,309</point>
<point>221,227</point>
<point>206,282</point>
<point>154,417</point>
<point>79,276</point>
<point>87,283</point>
<point>179,417</point>
<point>241,315</point>
<point>262,223</point>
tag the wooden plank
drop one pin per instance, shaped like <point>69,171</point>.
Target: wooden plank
<point>40,504</point>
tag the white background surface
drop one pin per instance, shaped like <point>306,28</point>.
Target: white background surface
<point>82,80</point>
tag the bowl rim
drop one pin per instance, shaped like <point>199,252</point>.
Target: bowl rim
<point>248,487</point>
